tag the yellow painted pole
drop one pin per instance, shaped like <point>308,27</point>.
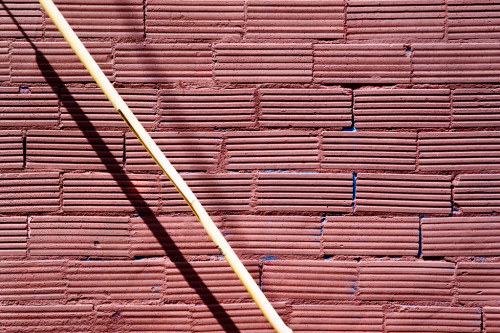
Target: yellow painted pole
<point>160,159</point>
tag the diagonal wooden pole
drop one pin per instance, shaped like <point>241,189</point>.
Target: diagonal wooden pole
<point>160,159</point>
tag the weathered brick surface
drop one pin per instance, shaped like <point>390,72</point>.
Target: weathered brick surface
<point>348,150</point>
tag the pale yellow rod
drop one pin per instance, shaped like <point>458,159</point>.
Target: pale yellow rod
<point>160,159</point>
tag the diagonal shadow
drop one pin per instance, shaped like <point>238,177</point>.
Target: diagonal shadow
<point>133,195</point>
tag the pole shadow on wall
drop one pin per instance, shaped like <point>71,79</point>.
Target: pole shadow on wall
<point>127,187</point>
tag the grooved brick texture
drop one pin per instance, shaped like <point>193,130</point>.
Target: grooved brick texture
<point>348,151</point>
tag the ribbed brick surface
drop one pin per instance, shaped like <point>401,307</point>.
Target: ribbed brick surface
<point>346,149</point>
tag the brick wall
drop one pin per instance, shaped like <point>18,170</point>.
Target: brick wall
<point>348,150</point>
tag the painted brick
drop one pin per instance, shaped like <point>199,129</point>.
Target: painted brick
<point>263,62</point>
<point>439,319</point>
<point>216,192</point>
<point>442,63</point>
<point>361,63</point>
<point>56,62</point>
<point>304,192</point>
<point>246,317</point>
<point>5,66</point>
<point>307,279</point>
<point>100,18</point>
<point>318,19</point>
<point>405,281</point>
<point>478,283</point>
<point>38,107</point>
<point>371,236</point>
<point>142,318</point>
<point>473,19</point>
<point>107,193</point>
<point>187,151</point>
<point>11,150</point>
<point>194,19</point>
<point>29,192</point>
<point>89,107</point>
<point>491,319</point>
<point>461,236</point>
<point>79,236</point>
<point>467,151</point>
<point>395,19</point>
<point>210,108</point>
<point>401,108</point>
<point>476,108</point>
<point>369,150</point>
<point>163,63</point>
<point>116,280</point>
<point>272,150</point>
<point>273,235</point>
<point>305,107</point>
<point>74,150</point>
<point>170,235</point>
<point>13,236</point>
<point>403,193</point>
<point>27,13</point>
<point>478,193</point>
<point>32,280</point>
<point>308,318</point>
<point>212,281</point>
<point>50,318</point>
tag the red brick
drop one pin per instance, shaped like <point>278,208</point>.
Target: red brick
<point>89,107</point>
<point>116,280</point>
<point>206,280</point>
<point>310,280</point>
<point>263,62</point>
<point>79,236</point>
<point>29,192</point>
<point>437,318</point>
<point>272,150</point>
<point>369,150</point>
<point>50,318</point>
<point>491,319</point>
<point>395,19</point>
<point>105,192</point>
<point>405,281</point>
<point>246,317</point>
<point>305,107</point>
<point>442,63</point>
<point>273,235</point>
<point>100,18</point>
<point>304,192</point>
<point>401,108</point>
<point>187,151</point>
<point>194,19</point>
<point>216,192</point>
<point>308,318</point>
<point>478,283</point>
<point>5,67</point>
<point>32,280</point>
<point>477,193</point>
<point>74,150</point>
<point>63,65</point>
<point>13,236</point>
<point>166,235</point>
<point>461,236</point>
<point>371,235</point>
<point>210,108</point>
<point>163,63</point>
<point>142,318</point>
<point>38,107</point>
<point>473,19</point>
<point>361,63</point>
<point>27,13</point>
<point>476,108</point>
<point>318,19</point>
<point>11,150</point>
